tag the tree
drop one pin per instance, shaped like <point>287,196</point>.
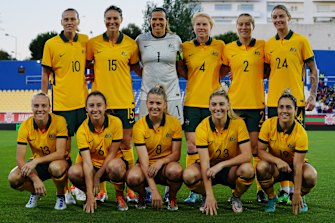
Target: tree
<point>4,55</point>
<point>179,13</point>
<point>132,30</point>
<point>227,37</point>
<point>36,46</point>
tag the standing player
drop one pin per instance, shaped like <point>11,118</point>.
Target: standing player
<point>287,53</point>
<point>63,62</point>
<point>114,54</point>
<point>245,57</point>
<point>203,59</point>
<point>160,53</point>
<point>157,137</point>
<point>46,135</point>
<point>223,144</point>
<point>282,147</point>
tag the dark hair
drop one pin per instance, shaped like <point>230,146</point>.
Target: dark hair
<point>223,93</point>
<point>252,20</point>
<point>158,90</point>
<point>287,94</point>
<point>115,8</point>
<point>96,93</point>
<point>73,10</point>
<point>282,7</point>
<point>159,9</point>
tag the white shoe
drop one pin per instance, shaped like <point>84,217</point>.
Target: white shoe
<point>69,199</point>
<point>60,203</point>
<point>32,203</point>
<point>101,197</point>
<point>80,195</point>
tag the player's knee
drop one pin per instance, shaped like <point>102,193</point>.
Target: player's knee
<point>57,169</point>
<point>116,169</point>
<point>134,179</point>
<point>246,171</point>
<point>262,169</point>
<point>310,177</point>
<point>174,172</point>
<point>189,176</point>
<point>74,173</point>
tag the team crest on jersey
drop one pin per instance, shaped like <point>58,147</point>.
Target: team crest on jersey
<point>293,49</point>
<point>257,53</point>
<point>232,138</point>
<point>108,135</point>
<point>168,135</point>
<point>52,136</point>
<point>170,45</point>
<point>291,146</point>
<point>123,53</point>
<point>215,53</point>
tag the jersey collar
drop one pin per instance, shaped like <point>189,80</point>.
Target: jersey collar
<point>119,40</point>
<point>287,37</point>
<point>212,125</point>
<point>47,126</point>
<point>252,42</point>
<point>156,37</point>
<point>149,122</point>
<point>91,127</point>
<point>289,131</point>
<point>63,37</point>
<point>209,41</point>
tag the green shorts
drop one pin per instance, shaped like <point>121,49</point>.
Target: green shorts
<point>193,116</point>
<point>73,118</point>
<point>253,118</point>
<point>301,115</point>
<point>127,116</point>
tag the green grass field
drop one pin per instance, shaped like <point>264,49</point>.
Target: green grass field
<point>320,200</point>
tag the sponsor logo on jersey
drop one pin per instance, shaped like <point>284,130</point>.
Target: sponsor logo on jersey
<point>291,146</point>
<point>293,49</point>
<point>108,135</point>
<point>52,136</point>
<point>123,53</point>
<point>215,53</point>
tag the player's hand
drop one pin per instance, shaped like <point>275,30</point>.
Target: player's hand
<point>90,204</point>
<point>156,200</point>
<point>296,203</point>
<point>211,206</point>
<point>283,166</point>
<point>310,103</point>
<point>154,168</point>
<point>211,172</point>
<point>96,184</point>
<point>39,187</point>
<point>28,167</point>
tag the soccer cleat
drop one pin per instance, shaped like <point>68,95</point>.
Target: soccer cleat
<point>141,203</point>
<point>261,198</point>
<point>166,195</point>
<point>101,197</point>
<point>131,196</point>
<point>148,197</point>
<point>121,204</point>
<point>283,197</point>
<point>236,204</point>
<point>203,202</point>
<point>271,205</point>
<point>32,203</point>
<point>193,198</point>
<point>69,199</point>
<point>172,204</point>
<point>60,203</point>
<point>304,209</point>
<point>80,195</point>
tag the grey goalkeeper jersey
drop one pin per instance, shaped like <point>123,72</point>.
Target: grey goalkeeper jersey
<point>158,57</point>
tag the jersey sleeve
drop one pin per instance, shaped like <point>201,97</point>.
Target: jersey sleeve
<point>22,136</point>
<point>134,58</point>
<point>302,142</point>
<point>82,139</point>
<point>62,131</point>
<point>243,134</point>
<point>46,59</point>
<point>201,136</point>
<point>267,55</point>
<point>138,134</point>
<point>307,51</point>
<point>177,135</point>
<point>264,134</point>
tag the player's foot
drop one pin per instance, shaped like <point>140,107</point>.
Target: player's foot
<point>101,197</point>
<point>32,203</point>
<point>172,204</point>
<point>193,198</point>
<point>131,196</point>
<point>261,198</point>
<point>69,199</point>
<point>271,205</point>
<point>236,204</point>
<point>148,197</point>
<point>304,209</point>
<point>121,204</point>
<point>203,202</point>
<point>60,202</point>
<point>141,203</point>
<point>80,195</point>
<point>283,197</point>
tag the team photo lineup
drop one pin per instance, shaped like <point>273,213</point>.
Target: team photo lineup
<point>235,136</point>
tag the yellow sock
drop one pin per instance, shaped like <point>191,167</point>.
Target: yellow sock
<point>255,162</point>
<point>242,185</point>
<point>103,187</point>
<point>128,155</point>
<point>267,186</point>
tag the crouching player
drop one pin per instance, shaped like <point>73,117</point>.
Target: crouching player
<point>46,135</point>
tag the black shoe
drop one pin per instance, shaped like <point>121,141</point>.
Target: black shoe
<point>261,198</point>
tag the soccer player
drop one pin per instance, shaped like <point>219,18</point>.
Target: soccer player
<point>99,138</point>
<point>161,56</point>
<point>157,137</point>
<point>63,63</point>
<point>245,58</point>
<point>46,135</point>
<point>114,54</point>
<point>287,53</point>
<point>224,149</point>
<point>282,148</point>
<point>203,60</point>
